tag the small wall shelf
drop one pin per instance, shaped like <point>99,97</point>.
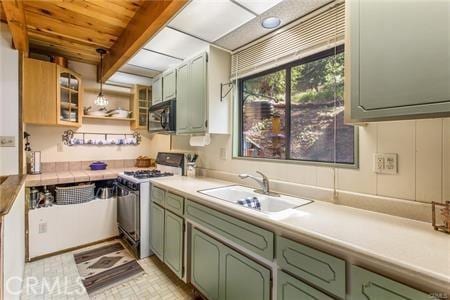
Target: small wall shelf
<point>107,118</point>
<point>100,139</point>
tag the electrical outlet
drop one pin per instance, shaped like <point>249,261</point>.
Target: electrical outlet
<point>42,227</point>
<point>378,162</point>
<point>390,163</point>
<point>223,153</point>
<point>7,141</point>
<point>385,163</point>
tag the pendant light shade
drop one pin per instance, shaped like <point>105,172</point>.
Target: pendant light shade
<point>101,99</point>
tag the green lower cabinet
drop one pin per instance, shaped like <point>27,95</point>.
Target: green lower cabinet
<point>205,264</point>
<point>222,273</point>
<point>157,230</point>
<point>370,286</point>
<point>173,242</point>
<point>243,278</point>
<point>290,288</point>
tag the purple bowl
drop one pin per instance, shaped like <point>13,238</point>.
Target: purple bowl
<point>98,165</point>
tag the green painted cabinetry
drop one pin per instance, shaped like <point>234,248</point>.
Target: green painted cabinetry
<point>249,236</point>
<point>397,60</point>
<point>157,230</point>
<point>173,242</point>
<point>222,273</point>
<point>157,195</point>
<point>366,285</point>
<point>313,266</point>
<point>290,288</point>
<point>169,85</point>
<point>157,89</point>
<point>174,203</point>
<point>191,89</point>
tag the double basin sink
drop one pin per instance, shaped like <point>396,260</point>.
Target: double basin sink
<point>269,204</point>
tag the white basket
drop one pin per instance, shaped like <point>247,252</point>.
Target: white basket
<point>75,194</point>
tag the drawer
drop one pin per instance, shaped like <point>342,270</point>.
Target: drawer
<point>315,267</point>
<point>251,237</point>
<point>370,286</point>
<point>158,195</point>
<point>290,288</point>
<point>174,203</point>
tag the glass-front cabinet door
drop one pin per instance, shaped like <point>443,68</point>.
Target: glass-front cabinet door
<point>141,105</point>
<point>69,97</point>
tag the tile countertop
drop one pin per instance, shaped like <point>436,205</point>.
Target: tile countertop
<point>409,245</point>
<point>75,176</point>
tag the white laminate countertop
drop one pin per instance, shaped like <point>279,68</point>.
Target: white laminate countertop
<point>408,244</point>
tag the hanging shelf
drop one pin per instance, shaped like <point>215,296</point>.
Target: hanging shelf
<point>71,138</point>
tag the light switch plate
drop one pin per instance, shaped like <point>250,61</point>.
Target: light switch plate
<point>390,163</point>
<point>7,141</point>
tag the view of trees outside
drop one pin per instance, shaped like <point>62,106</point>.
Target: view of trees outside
<point>317,89</point>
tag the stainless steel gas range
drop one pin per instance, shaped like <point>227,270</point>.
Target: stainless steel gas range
<point>133,201</point>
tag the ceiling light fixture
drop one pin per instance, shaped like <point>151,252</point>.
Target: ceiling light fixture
<point>101,99</point>
<point>271,22</point>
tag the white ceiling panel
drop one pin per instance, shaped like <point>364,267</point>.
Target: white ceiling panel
<point>129,79</point>
<point>127,68</point>
<point>210,20</point>
<point>175,43</point>
<point>258,6</point>
<point>152,60</point>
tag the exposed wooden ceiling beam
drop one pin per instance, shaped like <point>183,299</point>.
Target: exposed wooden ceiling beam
<point>13,10</point>
<point>148,20</point>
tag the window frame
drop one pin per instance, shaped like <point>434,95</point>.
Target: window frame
<point>288,67</point>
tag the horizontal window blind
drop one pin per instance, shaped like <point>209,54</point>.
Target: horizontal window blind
<point>324,30</point>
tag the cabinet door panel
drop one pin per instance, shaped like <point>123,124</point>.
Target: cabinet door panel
<point>157,90</point>
<point>370,286</point>
<point>197,103</point>
<point>244,278</point>
<point>183,108</point>
<point>173,242</point>
<point>169,85</point>
<point>290,288</point>
<point>157,230</point>
<point>205,264</point>
<point>39,92</point>
<point>400,60</point>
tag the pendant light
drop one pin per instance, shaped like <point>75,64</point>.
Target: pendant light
<point>101,99</point>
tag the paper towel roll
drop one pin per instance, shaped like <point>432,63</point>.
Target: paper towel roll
<point>199,140</point>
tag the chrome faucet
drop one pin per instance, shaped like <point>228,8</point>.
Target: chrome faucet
<point>263,183</point>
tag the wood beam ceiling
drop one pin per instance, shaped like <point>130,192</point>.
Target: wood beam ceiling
<point>147,21</point>
<point>15,16</point>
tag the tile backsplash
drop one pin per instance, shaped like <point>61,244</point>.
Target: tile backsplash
<point>66,166</point>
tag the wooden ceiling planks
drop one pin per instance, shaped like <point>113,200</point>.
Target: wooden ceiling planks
<point>15,16</point>
<point>75,28</point>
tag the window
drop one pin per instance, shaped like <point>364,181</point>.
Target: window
<point>296,112</point>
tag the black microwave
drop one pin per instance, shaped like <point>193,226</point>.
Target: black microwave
<point>162,117</point>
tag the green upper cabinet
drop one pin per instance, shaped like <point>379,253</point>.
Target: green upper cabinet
<point>157,90</point>
<point>157,230</point>
<point>183,115</point>
<point>397,60</point>
<point>169,85</point>
<point>173,242</point>
<point>197,103</point>
<point>366,285</point>
<point>200,107</point>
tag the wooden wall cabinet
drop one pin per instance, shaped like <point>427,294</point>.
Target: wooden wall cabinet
<point>51,94</point>
<point>397,63</point>
<point>140,105</point>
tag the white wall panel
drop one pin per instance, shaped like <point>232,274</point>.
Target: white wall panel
<point>398,137</point>
<point>429,164</point>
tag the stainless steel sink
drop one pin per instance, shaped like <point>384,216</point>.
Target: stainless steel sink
<point>269,204</point>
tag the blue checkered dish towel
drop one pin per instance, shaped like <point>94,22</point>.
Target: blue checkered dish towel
<point>250,202</point>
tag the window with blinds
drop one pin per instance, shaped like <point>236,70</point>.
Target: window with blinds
<point>313,33</point>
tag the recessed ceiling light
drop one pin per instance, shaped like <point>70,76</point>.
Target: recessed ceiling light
<point>271,22</point>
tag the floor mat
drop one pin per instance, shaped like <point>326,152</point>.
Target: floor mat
<point>105,266</point>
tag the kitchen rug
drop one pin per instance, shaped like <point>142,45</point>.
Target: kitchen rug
<point>105,266</point>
